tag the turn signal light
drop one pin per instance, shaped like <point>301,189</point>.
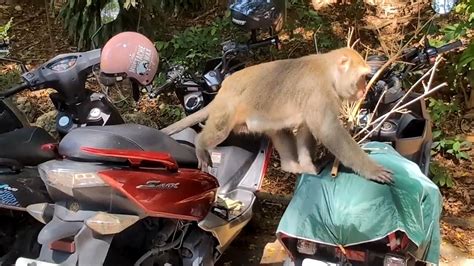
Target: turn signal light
<point>43,212</point>
<point>106,223</point>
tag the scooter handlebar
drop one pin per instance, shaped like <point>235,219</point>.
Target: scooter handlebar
<point>14,90</point>
<point>450,46</point>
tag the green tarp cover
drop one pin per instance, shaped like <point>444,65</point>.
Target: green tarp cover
<point>349,209</point>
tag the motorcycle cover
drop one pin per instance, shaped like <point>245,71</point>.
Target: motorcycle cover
<point>349,210</point>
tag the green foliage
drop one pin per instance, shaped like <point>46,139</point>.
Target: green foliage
<point>450,146</point>
<point>440,113</point>
<point>440,110</point>
<point>196,44</point>
<point>4,30</point>
<point>441,175</point>
<point>467,58</point>
<point>464,13</point>
<point>306,18</point>
<point>82,17</point>
<point>171,113</point>
<point>82,20</point>
<point>9,78</point>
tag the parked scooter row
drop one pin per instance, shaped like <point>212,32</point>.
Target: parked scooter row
<point>114,193</point>
<point>25,146</point>
<point>122,182</point>
<point>154,194</point>
<point>22,147</point>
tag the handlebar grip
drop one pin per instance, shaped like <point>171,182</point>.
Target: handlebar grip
<point>266,42</point>
<point>450,46</point>
<point>14,90</point>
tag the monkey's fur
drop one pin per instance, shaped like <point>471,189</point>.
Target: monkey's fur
<point>273,97</point>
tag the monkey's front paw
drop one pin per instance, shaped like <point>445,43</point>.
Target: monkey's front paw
<point>381,174</point>
<point>204,158</point>
<point>291,167</point>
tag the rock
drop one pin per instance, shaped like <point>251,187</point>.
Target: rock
<point>47,121</point>
<point>25,106</point>
<point>453,256</point>
<point>273,253</point>
<point>18,8</point>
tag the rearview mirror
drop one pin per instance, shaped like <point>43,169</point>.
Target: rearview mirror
<point>110,12</point>
<point>443,6</point>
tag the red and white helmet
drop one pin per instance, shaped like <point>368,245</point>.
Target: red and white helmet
<point>129,55</point>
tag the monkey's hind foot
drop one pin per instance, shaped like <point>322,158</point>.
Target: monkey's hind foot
<point>204,158</point>
<point>308,168</point>
<point>291,167</point>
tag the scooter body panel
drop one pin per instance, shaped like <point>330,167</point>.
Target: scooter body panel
<point>186,194</point>
<point>18,190</point>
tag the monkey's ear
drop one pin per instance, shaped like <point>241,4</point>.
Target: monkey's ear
<point>344,63</point>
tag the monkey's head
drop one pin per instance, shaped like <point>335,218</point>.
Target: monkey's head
<point>351,70</point>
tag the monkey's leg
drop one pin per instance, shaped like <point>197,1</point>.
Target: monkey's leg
<point>304,143</point>
<point>284,143</point>
<point>218,127</point>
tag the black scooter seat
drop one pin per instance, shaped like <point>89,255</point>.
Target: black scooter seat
<point>24,146</point>
<point>124,137</point>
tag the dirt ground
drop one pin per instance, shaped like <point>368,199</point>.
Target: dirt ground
<point>35,40</point>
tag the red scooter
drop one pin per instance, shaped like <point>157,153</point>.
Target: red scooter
<point>129,194</point>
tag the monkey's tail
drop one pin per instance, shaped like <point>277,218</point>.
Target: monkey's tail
<point>188,121</point>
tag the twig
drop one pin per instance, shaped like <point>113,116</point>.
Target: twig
<point>349,36</point>
<point>354,44</point>
<point>205,14</point>
<point>390,61</point>
<point>382,43</point>
<point>367,47</point>
<point>335,168</point>
<point>48,23</point>
<point>37,14</point>
<point>396,105</point>
<point>28,46</point>
<point>315,40</point>
<point>438,60</point>
<point>466,98</point>
<point>377,105</point>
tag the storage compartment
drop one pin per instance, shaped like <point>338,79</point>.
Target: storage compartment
<point>411,136</point>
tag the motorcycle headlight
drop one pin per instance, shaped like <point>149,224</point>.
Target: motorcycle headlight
<point>306,247</point>
<point>391,260</point>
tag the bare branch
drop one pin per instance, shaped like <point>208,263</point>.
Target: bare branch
<point>389,62</point>
<point>400,100</point>
<point>399,109</point>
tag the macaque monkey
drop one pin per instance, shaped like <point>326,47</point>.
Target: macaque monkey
<point>274,97</point>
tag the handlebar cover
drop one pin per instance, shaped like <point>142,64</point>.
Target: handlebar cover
<point>14,90</point>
